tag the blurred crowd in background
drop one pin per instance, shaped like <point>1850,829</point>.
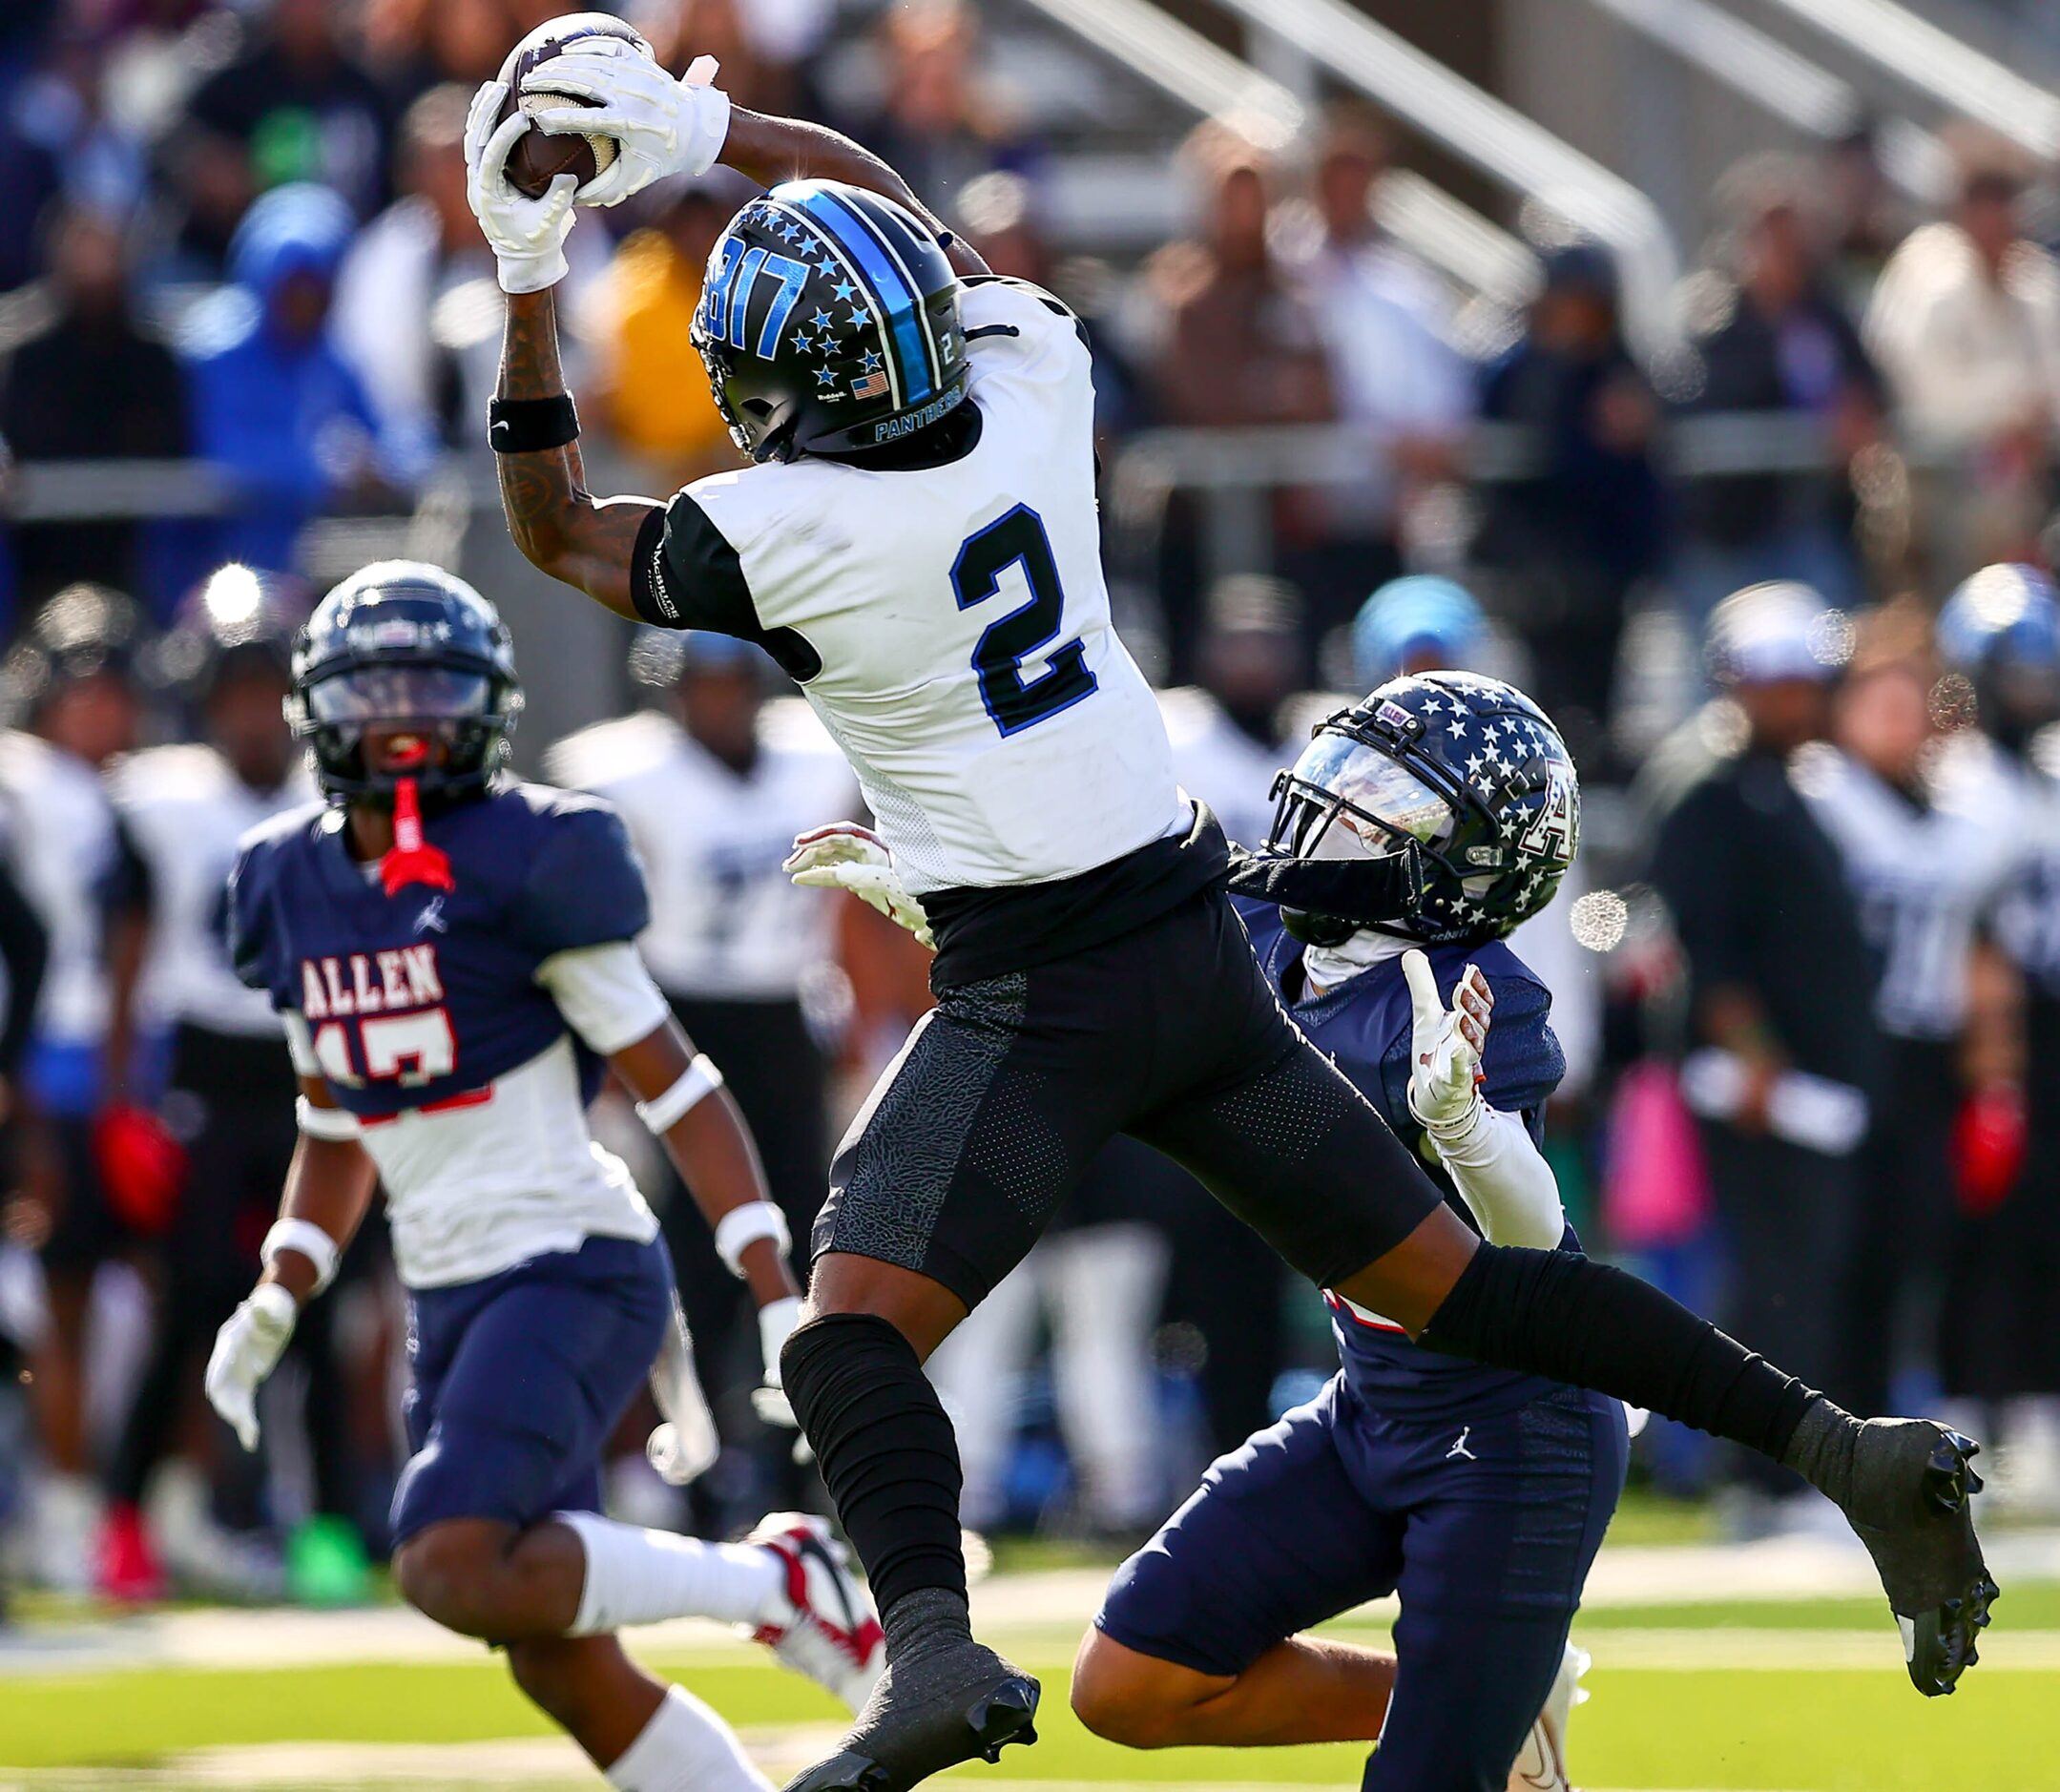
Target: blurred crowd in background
<point>1807,973</point>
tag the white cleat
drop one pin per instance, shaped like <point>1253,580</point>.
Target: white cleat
<point>1540,1765</point>
<point>823,1625</point>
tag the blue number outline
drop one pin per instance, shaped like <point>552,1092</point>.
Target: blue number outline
<point>999,663</point>
<point>793,276</point>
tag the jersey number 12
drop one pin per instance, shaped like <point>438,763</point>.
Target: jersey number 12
<point>1013,701</point>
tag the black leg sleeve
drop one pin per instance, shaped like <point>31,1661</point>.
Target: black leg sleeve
<point>1556,1314</point>
<point>885,1448</point>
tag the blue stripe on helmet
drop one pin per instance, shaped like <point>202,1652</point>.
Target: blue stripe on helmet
<point>901,302</point>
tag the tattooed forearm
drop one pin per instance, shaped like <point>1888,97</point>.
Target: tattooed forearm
<point>559,526</point>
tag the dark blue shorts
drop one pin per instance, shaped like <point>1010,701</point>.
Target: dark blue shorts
<point>1487,1529</point>
<point>517,1381</point>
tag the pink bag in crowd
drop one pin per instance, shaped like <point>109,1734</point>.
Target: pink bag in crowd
<point>1656,1189</point>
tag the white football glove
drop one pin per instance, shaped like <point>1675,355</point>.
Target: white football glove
<point>1446,1046</point>
<point>845,856</point>
<point>685,1447</point>
<point>777,1321</point>
<point>660,126</point>
<point>247,1348</point>
<point>527,236</point>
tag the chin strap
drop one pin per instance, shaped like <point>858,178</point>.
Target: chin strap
<point>411,858</point>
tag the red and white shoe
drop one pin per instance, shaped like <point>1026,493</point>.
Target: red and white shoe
<point>825,1627</point>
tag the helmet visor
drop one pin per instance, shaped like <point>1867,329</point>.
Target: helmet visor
<point>1376,803</point>
<point>400,693</point>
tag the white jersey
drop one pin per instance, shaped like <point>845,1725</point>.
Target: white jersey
<point>513,1171</point>
<point>726,921</point>
<point>1215,761</point>
<point>1926,877</point>
<point>952,623</point>
<point>2027,918</point>
<point>186,811</point>
<point>61,831</point>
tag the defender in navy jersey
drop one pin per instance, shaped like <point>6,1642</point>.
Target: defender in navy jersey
<point>1479,1495</point>
<point>915,541</point>
<point>452,955</point>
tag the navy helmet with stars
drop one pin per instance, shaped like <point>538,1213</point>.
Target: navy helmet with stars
<point>1467,768</point>
<point>829,322</point>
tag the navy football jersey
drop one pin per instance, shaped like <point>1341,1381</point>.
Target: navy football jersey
<point>419,999</point>
<point>1363,1027</point>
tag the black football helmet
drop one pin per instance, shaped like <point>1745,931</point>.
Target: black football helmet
<point>405,645</point>
<point>1467,769</point>
<point>84,631</point>
<point>2000,630</point>
<point>238,618</point>
<point>829,322</point>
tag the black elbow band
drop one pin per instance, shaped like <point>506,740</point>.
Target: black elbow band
<point>528,425</point>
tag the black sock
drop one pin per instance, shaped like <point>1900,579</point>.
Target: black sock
<point>890,1462</point>
<point>1556,1314</point>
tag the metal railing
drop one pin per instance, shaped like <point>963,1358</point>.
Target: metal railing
<point>1176,59</point>
<point>1513,151</point>
<point>1953,74</point>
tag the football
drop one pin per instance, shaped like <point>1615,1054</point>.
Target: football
<point>539,156</point>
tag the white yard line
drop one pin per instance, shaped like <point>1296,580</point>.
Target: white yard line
<point>1006,1605</point>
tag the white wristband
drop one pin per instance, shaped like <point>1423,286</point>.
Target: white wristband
<point>744,1226</point>
<point>337,1125</point>
<point>662,1113</point>
<point>308,1238</point>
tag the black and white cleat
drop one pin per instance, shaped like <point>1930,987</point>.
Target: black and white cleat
<point>901,1739</point>
<point>1912,1506</point>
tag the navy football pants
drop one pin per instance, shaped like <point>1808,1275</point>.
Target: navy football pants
<point>1485,1527</point>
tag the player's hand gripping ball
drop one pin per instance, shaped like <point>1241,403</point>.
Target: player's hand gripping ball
<point>1445,1044</point>
<point>604,111</point>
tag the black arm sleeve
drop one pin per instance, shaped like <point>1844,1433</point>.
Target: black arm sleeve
<point>24,949</point>
<point>684,574</point>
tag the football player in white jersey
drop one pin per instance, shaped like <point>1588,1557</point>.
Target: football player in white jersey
<point>914,540</point>
<point>229,1084</point>
<point>713,788</point>
<point>71,683</point>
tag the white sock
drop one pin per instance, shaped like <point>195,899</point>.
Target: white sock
<point>637,1576</point>
<point>685,1747</point>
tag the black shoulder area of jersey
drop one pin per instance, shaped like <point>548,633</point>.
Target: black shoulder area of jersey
<point>581,880</point>
<point>685,574</point>
<point>253,882</point>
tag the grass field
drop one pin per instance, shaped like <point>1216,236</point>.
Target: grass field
<point>1690,1694</point>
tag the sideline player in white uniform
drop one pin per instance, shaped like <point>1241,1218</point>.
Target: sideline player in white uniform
<point>915,542</point>
<point>713,788</point>
<point>229,1088</point>
<point>450,952</point>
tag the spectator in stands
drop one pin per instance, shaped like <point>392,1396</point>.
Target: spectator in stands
<point>295,105</point>
<point>417,313</point>
<point>414,45</point>
<point>761,47</point>
<point>1567,544</point>
<point>89,383</point>
<point>274,402</point>
<point>1241,344</point>
<point>943,120</point>
<point>1867,217</point>
<point>1966,322</point>
<point>1386,323</point>
<point>636,317</point>
<point>1780,990</point>
<point>1767,338</point>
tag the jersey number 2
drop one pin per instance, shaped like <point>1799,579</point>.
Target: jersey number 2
<point>1013,701</point>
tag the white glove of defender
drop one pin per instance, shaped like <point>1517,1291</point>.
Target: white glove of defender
<point>247,1348</point>
<point>660,126</point>
<point>845,856</point>
<point>1446,1046</point>
<point>527,236</point>
<point>777,1321</point>
<point>685,1447</point>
